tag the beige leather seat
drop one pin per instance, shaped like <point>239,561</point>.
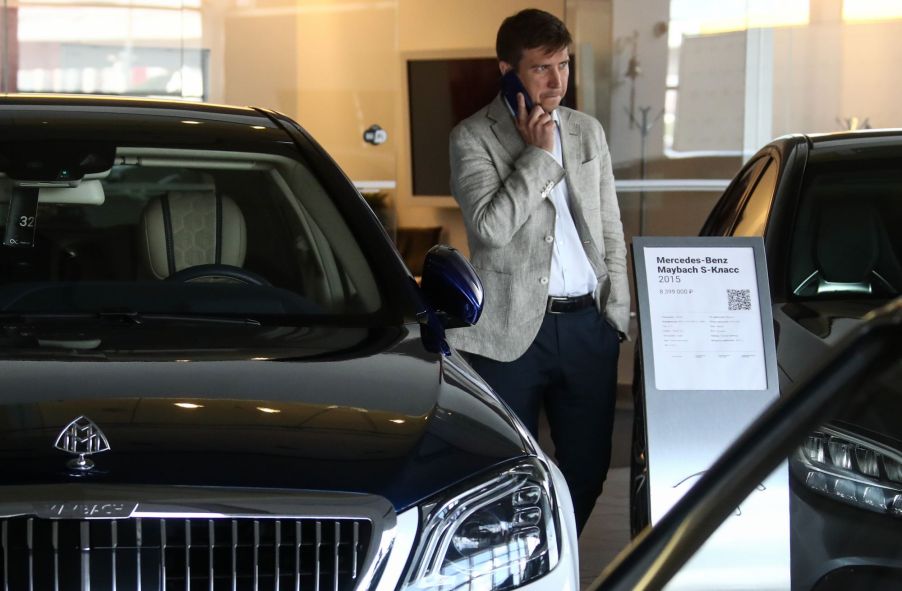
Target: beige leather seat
<point>185,229</point>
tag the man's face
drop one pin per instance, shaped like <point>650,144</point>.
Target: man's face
<point>545,75</point>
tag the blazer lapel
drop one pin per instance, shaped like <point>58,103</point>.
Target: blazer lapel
<point>570,144</point>
<point>504,128</point>
<point>573,159</point>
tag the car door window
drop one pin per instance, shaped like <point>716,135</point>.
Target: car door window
<point>753,217</point>
<point>727,209</point>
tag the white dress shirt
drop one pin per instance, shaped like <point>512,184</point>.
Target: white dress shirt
<point>571,271</point>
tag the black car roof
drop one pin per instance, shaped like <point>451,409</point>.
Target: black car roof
<point>849,143</point>
<point>124,120</point>
<point>863,135</point>
<point>88,100</point>
<point>844,145</point>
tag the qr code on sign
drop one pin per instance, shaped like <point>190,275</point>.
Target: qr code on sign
<point>739,299</point>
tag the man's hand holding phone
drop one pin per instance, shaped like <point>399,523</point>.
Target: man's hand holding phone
<point>536,127</point>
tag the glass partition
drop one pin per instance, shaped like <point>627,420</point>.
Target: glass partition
<point>688,90</point>
<point>115,47</point>
<point>332,65</point>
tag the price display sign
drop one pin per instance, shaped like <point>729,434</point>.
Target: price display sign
<point>709,367</point>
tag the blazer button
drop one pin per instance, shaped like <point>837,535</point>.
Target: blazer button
<point>544,280</point>
<point>547,190</point>
<point>549,239</point>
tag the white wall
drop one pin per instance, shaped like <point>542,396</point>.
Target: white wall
<point>823,75</point>
<point>652,52</point>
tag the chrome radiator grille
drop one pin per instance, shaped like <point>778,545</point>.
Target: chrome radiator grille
<point>186,554</point>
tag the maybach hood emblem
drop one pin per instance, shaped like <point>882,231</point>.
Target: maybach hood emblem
<point>82,438</point>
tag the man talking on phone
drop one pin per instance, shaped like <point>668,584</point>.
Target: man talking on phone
<point>534,184</point>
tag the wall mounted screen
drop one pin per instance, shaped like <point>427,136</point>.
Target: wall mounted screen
<point>441,93</point>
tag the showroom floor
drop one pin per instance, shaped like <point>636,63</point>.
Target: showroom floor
<point>608,529</point>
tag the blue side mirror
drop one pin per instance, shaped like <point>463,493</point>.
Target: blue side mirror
<point>452,287</point>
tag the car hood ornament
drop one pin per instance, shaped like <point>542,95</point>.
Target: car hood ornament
<point>82,438</point>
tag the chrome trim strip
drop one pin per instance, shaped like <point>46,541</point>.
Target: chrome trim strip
<point>55,542</point>
<point>355,541</point>
<point>278,544</point>
<point>114,535</point>
<point>85,555</point>
<point>29,541</point>
<point>805,282</point>
<point>234,555</point>
<point>212,539</point>
<point>162,555</point>
<point>171,502</point>
<point>318,544</point>
<point>256,555</point>
<point>187,555</point>
<point>297,556</point>
<point>138,540</point>
<point>179,515</point>
<point>335,555</point>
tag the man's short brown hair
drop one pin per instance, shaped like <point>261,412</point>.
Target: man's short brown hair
<point>529,29</point>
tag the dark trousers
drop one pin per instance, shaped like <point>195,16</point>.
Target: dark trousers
<point>571,370</point>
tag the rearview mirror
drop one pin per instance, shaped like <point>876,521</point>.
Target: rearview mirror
<point>87,192</point>
<point>57,164</point>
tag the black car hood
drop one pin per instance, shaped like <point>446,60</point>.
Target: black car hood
<point>387,419</point>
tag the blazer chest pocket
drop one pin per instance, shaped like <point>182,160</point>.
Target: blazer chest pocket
<point>587,178</point>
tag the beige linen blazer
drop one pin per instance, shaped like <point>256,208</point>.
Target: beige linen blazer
<point>501,185</point>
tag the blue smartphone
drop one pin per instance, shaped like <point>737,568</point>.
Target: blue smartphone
<point>510,86</point>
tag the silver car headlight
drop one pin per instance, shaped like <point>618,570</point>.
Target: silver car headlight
<point>852,469</point>
<point>498,534</point>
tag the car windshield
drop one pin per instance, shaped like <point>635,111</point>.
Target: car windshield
<point>846,241</point>
<point>179,231</point>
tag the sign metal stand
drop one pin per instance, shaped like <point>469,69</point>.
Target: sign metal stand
<point>709,368</point>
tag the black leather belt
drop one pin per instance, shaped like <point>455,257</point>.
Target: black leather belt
<point>562,305</point>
